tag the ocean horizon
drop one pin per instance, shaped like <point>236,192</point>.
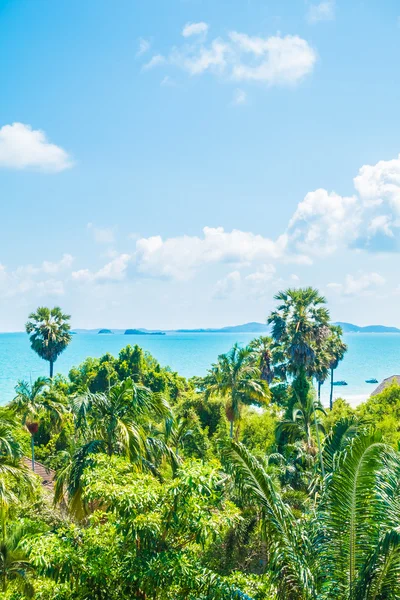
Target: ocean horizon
<point>369,356</point>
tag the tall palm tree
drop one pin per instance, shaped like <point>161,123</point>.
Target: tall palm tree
<point>350,550</point>
<point>238,380</point>
<point>336,349</point>
<point>50,333</point>
<point>263,349</point>
<point>299,322</point>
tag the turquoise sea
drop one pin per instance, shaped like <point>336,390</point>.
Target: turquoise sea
<point>370,355</point>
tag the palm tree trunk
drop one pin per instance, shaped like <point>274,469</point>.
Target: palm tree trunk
<point>51,369</point>
<point>331,395</point>
<point>319,445</point>
<point>231,432</point>
<point>319,391</point>
<point>33,452</point>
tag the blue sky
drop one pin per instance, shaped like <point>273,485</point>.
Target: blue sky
<point>175,164</point>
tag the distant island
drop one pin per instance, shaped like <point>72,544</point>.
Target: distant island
<point>252,327</point>
<point>142,332</point>
<point>350,328</point>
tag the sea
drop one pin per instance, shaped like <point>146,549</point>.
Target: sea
<point>369,356</point>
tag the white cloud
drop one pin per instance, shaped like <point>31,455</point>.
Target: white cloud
<point>274,60</point>
<point>194,29</point>
<point>239,97</point>
<point>227,286</point>
<point>282,60</point>
<point>167,81</point>
<point>196,60</point>
<point>323,222</point>
<point>180,257</point>
<point>358,285</point>
<point>22,147</point>
<point>144,46</point>
<point>37,281</point>
<point>379,184</point>
<point>264,274</point>
<point>102,235</point>
<point>323,11</point>
<point>113,271</point>
<point>155,61</point>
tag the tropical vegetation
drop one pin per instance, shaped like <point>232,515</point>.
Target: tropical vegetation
<point>235,485</point>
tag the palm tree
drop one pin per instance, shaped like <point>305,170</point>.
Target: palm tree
<point>114,418</point>
<point>110,423</point>
<point>351,549</point>
<point>302,424</point>
<point>263,349</point>
<point>30,402</point>
<point>238,380</point>
<point>50,333</point>
<point>299,323</point>
<point>336,349</point>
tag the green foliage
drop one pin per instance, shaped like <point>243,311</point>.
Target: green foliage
<point>383,410</point>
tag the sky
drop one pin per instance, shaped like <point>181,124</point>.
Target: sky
<point>175,164</point>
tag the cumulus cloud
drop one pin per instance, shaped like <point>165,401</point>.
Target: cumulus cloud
<point>323,11</point>
<point>180,257</point>
<point>38,281</point>
<point>227,286</point>
<point>358,285</point>
<point>274,60</point>
<point>194,29</point>
<point>323,222</point>
<point>115,270</point>
<point>22,147</point>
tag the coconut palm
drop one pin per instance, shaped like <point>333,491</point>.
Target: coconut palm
<point>336,349</point>
<point>50,333</point>
<point>236,379</point>
<point>351,549</point>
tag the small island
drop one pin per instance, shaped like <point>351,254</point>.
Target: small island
<point>141,332</point>
<point>105,331</point>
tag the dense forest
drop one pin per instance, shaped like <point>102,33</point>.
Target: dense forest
<point>236,485</point>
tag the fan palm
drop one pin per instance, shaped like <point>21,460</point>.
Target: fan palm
<point>50,333</point>
<point>238,380</point>
<point>298,323</point>
<point>263,349</point>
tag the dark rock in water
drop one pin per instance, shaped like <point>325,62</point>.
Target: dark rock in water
<point>108,331</point>
<point>340,383</point>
